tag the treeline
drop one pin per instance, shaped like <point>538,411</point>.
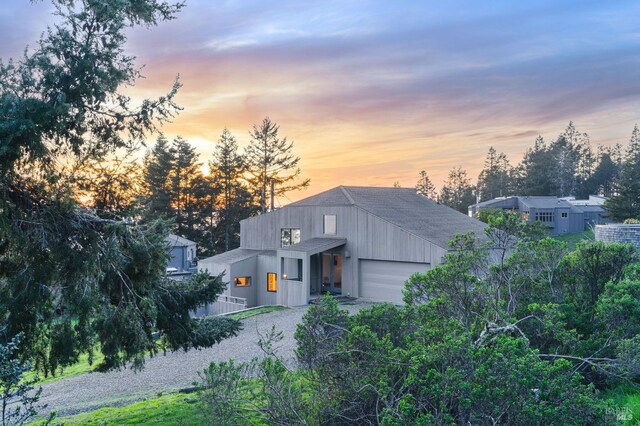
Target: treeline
<point>204,207</point>
<point>567,166</point>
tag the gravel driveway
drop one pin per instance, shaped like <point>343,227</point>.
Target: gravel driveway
<point>176,370</point>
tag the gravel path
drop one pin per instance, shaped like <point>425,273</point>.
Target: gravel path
<point>174,371</point>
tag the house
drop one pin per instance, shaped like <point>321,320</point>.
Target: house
<point>562,215</point>
<point>183,261</point>
<point>356,241</point>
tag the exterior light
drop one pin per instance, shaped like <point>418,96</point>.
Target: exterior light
<point>284,276</point>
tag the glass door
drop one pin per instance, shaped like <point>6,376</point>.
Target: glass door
<point>331,275</point>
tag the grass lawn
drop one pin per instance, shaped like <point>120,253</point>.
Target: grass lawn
<point>81,367</point>
<point>170,410</point>
<point>573,239</point>
<point>626,397</point>
<point>257,311</point>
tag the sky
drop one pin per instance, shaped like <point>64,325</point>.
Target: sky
<point>372,92</point>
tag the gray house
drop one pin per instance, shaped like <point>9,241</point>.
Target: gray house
<point>356,241</point>
<point>561,215</point>
<point>183,261</point>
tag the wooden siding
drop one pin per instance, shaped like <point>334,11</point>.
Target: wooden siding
<point>368,237</point>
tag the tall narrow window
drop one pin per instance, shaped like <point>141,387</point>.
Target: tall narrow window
<point>272,281</point>
<point>330,227</point>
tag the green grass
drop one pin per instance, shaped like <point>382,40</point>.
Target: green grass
<point>170,410</point>
<point>628,398</point>
<point>81,367</point>
<point>573,239</point>
<point>257,311</point>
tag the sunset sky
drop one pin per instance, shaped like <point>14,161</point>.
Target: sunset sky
<point>372,92</point>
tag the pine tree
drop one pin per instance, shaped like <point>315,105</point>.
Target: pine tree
<point>495,178</point>
<point>535,171</point>
<point>234,201</point>
<point>70,279</point>
<point>158,166</point>
<point>457,192</point>
<point>425,187</point>
<point>270,161</point>
<point>625,204</point>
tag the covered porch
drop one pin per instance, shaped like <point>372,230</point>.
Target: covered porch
<point>314,265</point>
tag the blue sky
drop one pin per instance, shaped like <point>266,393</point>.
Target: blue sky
<point>373,92</point>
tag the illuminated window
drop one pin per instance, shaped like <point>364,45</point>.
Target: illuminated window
<point>289,236</point>
<point>242,281</point>
<point>330,224</point>
<point>272,281</point>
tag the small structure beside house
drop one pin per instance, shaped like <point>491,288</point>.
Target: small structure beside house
<point>561,215</point>
<point>183,261</point>
<point>360,242</point>
<point>619,233</point>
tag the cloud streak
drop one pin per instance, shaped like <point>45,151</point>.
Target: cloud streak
<point>372,92</point>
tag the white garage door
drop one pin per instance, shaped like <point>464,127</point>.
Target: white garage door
<point>383,281</point>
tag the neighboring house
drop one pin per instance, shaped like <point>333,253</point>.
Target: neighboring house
<point>562,215</point>
<point>183,261</point>
<point>356,241</point>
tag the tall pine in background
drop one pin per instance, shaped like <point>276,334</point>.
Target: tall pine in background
<point>271,161</point>
<point>625,204</point>
<point>234,201</point>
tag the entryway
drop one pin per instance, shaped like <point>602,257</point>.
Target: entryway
<point>331,273</point>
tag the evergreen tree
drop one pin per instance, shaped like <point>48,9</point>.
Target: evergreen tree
<point>158,165</point>
<point>457,192</point>
<point>188,189</point>
<point>601,180</point>
<point>625,204</point>
<point>234,201</point>
<point>425,187</point>
<point>495,178</point>
<point>270,161</point>
<point>70,279</point>
<point>535,170</point>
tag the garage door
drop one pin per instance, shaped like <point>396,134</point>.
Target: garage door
<point>383,281</point>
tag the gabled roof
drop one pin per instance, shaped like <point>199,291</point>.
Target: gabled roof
<point>402,207</point>
<point>178,241</point>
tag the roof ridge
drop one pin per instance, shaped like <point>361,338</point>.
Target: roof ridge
<point>346,194</point>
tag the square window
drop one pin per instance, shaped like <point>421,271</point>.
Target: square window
<point>330,223</point>
<point>565,215</point>
<point>272,282</point>
<point>289,236</point>
<point>242,281</point>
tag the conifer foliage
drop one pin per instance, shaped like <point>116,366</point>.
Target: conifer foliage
<point>71,280</point>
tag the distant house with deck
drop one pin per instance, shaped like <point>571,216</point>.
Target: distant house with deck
<point>561,215</point>
<point>361,242</point>
<point>183,261</point>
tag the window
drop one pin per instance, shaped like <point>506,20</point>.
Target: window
<point>564,215</point>
<point>291,269</point>
<point>272,281</point>
<point>330,224</point>
<point>242,281</point>
<point>544,216</point>
<point>289,236</point>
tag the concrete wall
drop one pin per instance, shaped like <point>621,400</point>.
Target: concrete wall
<point>618,233</point>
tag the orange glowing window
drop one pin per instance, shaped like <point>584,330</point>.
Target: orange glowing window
<point>242,281</point>
<point>272,281</point>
